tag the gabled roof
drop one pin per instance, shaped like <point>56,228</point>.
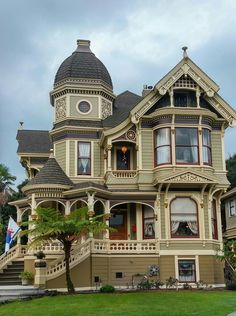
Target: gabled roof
<point>123,104</point>
<point>33,141</point>
<point>50,174</point>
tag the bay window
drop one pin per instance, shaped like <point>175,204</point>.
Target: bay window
<point>186,145</point>
<point>206,146</point>
<point>183,218</point>
<point>163,146</point>
<point>187,271</point>
<point>84,158</point>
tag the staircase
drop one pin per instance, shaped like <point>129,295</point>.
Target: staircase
<point>10,275</point>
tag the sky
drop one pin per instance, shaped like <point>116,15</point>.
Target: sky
<point>138,41</point>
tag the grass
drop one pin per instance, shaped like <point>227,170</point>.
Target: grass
<point>217,303</point>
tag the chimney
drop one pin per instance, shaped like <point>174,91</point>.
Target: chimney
<point>146,90</point>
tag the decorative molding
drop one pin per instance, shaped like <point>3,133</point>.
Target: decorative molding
<point>106,109</point>
<point>163,89</point>
<point>220,109</point>
<point>60,108</point>
<point>135,118</point>
<point>187,177</point>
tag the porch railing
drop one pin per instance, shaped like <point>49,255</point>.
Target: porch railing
<point>124,173</point>
<point>124,246</point>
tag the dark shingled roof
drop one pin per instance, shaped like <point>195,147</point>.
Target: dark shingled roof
<point>123,104</point>
<point>32,141</point>
<point>51,173</point>
<point>83,64</point>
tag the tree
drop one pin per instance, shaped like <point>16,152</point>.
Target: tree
<point>229,257</point>
<point>50,224</point>
<point>231,170</point>
<point>6,178</point>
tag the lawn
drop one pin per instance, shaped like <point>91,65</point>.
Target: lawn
<point>134,304</point>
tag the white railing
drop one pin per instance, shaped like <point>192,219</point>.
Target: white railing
<point>124,173</point>
<point>17,251</point>
<point>50,248</point>
<point>124,246</point>
<point>57,267</point>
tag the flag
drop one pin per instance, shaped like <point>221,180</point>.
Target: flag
<point>12,230</point>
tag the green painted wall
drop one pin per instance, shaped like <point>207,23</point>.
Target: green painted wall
<point>60,154</point>
<point>216,145</point>
<point>147,150</point>
<point>72,158</point>
<point>73,109</point>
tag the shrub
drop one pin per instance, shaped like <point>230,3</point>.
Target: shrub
<point>26,275</point>
<point>107,288</point>
<point>171,282</point>
<point>146,284</point>
<point>187,286</point>
<point>231,286</point>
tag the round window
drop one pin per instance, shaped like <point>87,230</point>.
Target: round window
<point>84,107</point>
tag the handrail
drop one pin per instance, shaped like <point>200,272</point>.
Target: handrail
<point>57,267</point>
<point>17,251</point>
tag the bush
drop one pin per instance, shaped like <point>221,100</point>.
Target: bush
<point>147,284</point>
<point>107,289</point>
<point>231,286</point>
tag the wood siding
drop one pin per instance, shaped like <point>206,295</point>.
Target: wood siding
<point>216,144</point>
<point>60,154</point>
<point>147,150</point>
<point>72,158</point>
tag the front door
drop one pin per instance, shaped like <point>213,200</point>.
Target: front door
<point>118,221</point>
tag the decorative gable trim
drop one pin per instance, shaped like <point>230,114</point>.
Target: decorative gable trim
<point>187,177</point>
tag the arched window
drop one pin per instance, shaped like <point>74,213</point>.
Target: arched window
<point>184,218</point>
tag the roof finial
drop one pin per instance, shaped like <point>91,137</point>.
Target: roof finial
<point>21,125</point>
<point>185,55</point>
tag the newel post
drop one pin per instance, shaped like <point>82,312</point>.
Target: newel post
<point>40,277</point>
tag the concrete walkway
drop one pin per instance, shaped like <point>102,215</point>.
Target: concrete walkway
<point>12,292</point>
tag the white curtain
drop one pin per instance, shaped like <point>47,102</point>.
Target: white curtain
<point>84,151</point>
<point>193,143</point>
<point>174,226</point>
<point>163,140</point>
<point>193,227</point>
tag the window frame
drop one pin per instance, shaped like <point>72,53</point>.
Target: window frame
<point>197,217</point>
<point>231,214</point>
<point>208,147</point>
<point>150,218</point>
<point>156,147</point>
<point>83,157</point>
<point>214,223</point>
<point>187,146</point>
<point>193,261</point>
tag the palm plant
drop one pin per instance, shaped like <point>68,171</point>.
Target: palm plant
<point>50,225</point>
<point>6,178</point>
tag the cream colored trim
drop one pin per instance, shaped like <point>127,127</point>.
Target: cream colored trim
<point>176,252</point>
<point>176,268</point>
<point>29,155</point>
<point>67,157</point>
<point>198,277</point>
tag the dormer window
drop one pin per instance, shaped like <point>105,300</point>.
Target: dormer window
<point>185,98</point>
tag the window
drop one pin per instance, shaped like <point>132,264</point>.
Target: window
<point>214,220</point>
<point>184,219</point>
<point>119,275</point>
<point>162,146</point>
<point>84,107</point>
<point>232,208</point>
<point>187,271</point>
<point>206,146</point>
<point>148,222</point>
<point>84,158</point>
<point>185,99</point>
<point>186,141</point>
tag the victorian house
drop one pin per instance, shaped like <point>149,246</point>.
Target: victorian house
<point>152,163</point>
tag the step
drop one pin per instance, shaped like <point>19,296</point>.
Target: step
<point>10,283</point>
